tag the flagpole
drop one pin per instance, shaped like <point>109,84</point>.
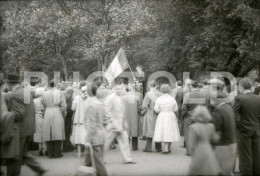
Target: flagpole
<point>131,71</point>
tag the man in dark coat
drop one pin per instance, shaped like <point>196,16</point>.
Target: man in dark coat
<point>224,121</point>
<point>190,102</point>
<point>67,146</point>
<point>23,125</point>
<point>247,110</point>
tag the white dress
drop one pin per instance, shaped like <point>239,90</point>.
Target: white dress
<point>166,128</point>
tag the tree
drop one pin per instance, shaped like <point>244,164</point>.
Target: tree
<point>44,34</point>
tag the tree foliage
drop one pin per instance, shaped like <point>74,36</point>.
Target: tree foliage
<point>175,36</point>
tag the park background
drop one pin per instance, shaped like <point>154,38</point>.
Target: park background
<point>197,36</point>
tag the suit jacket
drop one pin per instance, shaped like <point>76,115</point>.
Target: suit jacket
<point>247,110</point>
<point>23,113</point>
<point>188,106</point>
<point>224,121</point>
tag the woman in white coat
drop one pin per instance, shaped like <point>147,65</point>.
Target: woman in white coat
<point>38,135</point>
<point>79,106</point>
<point>166,128</point>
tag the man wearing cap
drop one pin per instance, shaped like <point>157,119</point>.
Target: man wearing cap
<point>24,127</point>
<point>190,102</point>
<point>247,110</point>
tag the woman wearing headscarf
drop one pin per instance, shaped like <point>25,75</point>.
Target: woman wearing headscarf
<point>166,128</point>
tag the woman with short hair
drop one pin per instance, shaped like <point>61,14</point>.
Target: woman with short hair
<point>201,134</point>
<point>166,128</point>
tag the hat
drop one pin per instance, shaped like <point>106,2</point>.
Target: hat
<point>12,78</point>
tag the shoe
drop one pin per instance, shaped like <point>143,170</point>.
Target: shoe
<point>165,152</point>
<point>144,150</point>
<point>129,162</point>
<point>170,151</point>
<point>46,153</point>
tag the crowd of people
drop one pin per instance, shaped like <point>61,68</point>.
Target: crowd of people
<point>63,116</point>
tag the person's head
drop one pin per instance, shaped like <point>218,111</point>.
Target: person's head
<point>83,89</point>
<point>216,84</point>
<point>139,68</point>
<point>24,84</point>
<point>179,83</point>
<point>257,81</point>
<point>11,81</point>
<point>152,84</point>
<point>39,91</point>
<point>63,87</point>
<point>245,85</point>
<point>52,83</point>
<point>201,114</point>
<point>205,82</point>
<point>33,82</point>
<point>81,84</point>
<point>99,83</point>
<point>92,89</point>
<point>165,88</point>
<point>194,85</point>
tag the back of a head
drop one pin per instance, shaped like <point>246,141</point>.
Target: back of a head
<point>99,83</point>
<point>92,89</point>
<point>257,80</point>
<point>52,83</point>
<point>165,88</point>
<point>33,82</point>
<point>195,84</point>
<point>152,84</point>
<point>81,84</point>
<point>179,83</point>
<point>245,84</point>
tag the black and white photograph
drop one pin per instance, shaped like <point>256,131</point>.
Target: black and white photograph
<point>129,87</point>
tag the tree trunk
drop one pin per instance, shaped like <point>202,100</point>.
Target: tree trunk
<point>65,68</point>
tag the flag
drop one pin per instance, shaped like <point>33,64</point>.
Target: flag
<point>118,65</point>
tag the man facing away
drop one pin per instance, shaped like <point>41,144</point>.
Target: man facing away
<point>24,126</point>
<point>190,101</point>
<point>224,121</point>
<point>94,123</point>
<point>247,110</point>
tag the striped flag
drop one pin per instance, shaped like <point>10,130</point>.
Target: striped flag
<point>118,65</point>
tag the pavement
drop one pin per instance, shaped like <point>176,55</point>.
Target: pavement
<point>175,163</point>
